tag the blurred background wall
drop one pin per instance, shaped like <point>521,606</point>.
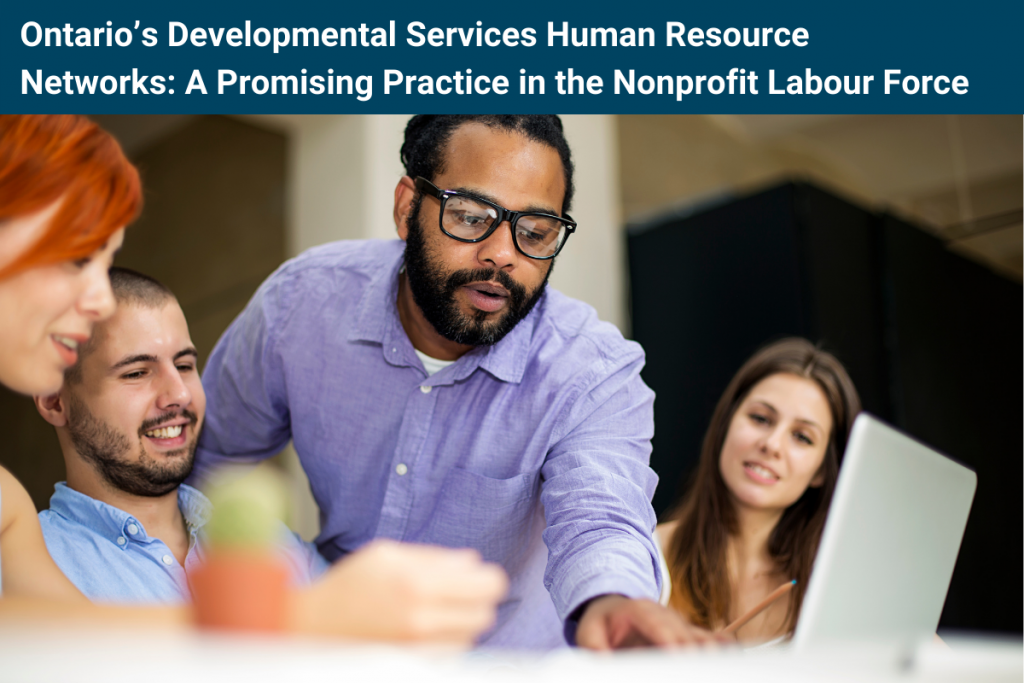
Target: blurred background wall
<point>229,198</point>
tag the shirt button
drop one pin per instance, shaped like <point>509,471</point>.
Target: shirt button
<point>121,540</point>
<point>394,349</point>
<point>133,529</point>
<point>401,469</point>
<point>167,559</point>
<point>426,390</point>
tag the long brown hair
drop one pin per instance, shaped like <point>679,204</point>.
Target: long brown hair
<point>697,550</point>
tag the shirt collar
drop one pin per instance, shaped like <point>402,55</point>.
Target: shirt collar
<point>113,522</point>
<point>194,506</point>
<point>379,301</point>
<point>377,321</point>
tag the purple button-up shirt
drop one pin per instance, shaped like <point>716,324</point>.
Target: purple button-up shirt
<point>534,451</point>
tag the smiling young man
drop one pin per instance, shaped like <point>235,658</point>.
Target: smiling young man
<point>124,527</point>
<point>436,391</point>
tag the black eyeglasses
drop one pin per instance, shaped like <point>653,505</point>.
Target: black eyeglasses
<point>467,218</point>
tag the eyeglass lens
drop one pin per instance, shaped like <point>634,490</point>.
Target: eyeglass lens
<point>469,219</point>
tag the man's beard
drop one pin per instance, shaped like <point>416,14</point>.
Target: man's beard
<point>433,290</point>
<point>105,448</point>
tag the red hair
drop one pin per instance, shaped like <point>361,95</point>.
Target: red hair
<point>48,158</point>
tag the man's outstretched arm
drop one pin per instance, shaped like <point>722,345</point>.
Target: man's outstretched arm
<point>603,564</point>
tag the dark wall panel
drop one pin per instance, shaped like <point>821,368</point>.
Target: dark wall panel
<point>697,321</point>
<point>957,339</point>
<point>843,289</point>
<point>933,342</point>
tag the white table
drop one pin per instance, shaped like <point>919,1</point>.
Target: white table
<point>33,653</point>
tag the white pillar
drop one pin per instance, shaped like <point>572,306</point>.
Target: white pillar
<point>383,136</point>
<point>326,181</point>
<point>342,172</point>
<point>592,265</point>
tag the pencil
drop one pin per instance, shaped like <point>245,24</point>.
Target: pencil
<point>772,597</point>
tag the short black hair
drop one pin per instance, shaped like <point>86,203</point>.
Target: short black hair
<point>132,287</point>
<point>427,135</point>
<point>129,287</point>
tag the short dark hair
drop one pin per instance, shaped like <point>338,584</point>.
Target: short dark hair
<point>426,136</point>
<point>129,287</point>
<point>132,287</point>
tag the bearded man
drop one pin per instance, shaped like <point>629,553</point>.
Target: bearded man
<point>436,391</point>
<point>124,528</point>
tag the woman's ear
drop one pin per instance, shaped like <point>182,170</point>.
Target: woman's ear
<point>52,408</point>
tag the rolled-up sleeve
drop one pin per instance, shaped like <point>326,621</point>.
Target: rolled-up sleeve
<point>597,490</point>
<point>247,417</point>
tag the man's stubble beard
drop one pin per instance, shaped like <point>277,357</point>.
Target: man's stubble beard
<point>433,290</point>
<point>105,448</point>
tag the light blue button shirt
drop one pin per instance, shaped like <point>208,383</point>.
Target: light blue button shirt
<point>109,556</point>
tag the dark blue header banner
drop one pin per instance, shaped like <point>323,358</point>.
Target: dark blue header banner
<point>803,57</point>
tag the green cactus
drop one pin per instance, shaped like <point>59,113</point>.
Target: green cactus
<point>247,509</point>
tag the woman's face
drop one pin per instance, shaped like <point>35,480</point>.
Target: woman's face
<point>47,312</point>
<point>776,443</point>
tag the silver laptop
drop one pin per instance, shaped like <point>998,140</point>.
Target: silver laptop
<point>889,545</point>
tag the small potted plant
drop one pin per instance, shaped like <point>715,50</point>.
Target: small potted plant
<point>242,583</point>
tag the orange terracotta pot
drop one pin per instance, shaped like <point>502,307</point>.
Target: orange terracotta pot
<point>241,591</point>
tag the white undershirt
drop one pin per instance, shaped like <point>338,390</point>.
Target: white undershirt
<point>432,365</point>
<point>666,581</point>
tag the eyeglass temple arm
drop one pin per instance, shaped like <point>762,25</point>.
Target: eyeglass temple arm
<point>427,187</point>
<point>433,190</point>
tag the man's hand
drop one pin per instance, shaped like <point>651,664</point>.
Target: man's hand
<point>402,592</point>
<point>612,622</point>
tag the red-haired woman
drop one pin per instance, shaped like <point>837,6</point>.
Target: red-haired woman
<point>756,505</point>
<point>66,194</point>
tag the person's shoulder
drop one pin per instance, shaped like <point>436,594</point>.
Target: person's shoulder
<point>575,327</point>
<point>15,502</point>
<point>663,533</point>
<point>59,527</point>
<point>360,258</point>
<point>318,275</point>
<point>51,523</point>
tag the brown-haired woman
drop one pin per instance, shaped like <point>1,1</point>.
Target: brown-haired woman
<point>756,505</point>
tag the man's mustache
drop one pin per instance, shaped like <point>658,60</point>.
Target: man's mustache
<point>461,278</point>
<point>155,422</point>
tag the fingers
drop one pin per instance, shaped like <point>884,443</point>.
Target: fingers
<point>658,631</point>
<point>469,579</point>
<point>593,635</point>
<point>595,630</point>
<point>623,623</point>
<point>448,595</point>
<point>400,592</point>
<point>665,628</point>
<point>439,574</point>
<point>458,625</point>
